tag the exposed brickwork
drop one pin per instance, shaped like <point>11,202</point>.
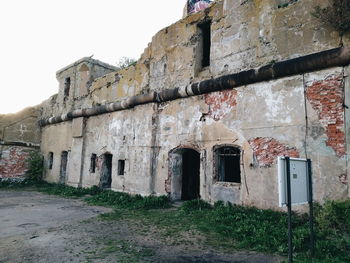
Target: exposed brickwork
<point>220,103</point>
<point>326,98</point>
<point>266,150</point>
<point>167,185</point>
<point>13,161</point>
<point>343,179</point>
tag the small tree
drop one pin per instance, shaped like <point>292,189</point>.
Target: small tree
<point>337,14</point>
<point>125,62</point>
<point>35,164</point>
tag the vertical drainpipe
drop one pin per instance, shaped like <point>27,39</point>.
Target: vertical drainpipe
<point>346,77</point>
<point>154,148</point>
<point>83,150</point>
<point>1,149</point>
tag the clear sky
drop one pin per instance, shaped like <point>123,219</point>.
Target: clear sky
<point>39,37</point>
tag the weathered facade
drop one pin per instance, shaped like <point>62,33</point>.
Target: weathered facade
<point>213,101</point>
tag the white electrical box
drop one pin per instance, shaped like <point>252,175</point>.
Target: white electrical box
<point>299,179</point>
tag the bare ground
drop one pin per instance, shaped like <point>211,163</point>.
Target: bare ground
<point>40,228</point>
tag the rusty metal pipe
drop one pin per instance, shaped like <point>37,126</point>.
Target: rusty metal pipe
<point>326,59</point>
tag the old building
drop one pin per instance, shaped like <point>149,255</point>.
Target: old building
<point>213,101</point>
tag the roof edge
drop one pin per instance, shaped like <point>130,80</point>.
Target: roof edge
<point>89,60</point>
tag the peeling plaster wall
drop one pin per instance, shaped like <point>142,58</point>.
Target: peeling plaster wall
<point>127,136</point>
<point>264,120</point>
<point>56,139</point>
<point>244,35</point>
<point>300,116</point>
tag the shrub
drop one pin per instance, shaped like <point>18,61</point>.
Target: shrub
<point>334,216</point>
<point>125,62</point>
<point>35,164</point>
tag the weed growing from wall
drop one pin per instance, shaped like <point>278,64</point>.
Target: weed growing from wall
<point>337,14</point>
<point>126,62</point>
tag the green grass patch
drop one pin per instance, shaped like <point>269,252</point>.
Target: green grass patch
<point>96,196</point>
<point>230,227</point>
<point>223,226</point>
<point>127,201</point>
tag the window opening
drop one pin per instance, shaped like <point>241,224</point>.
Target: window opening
<point>93,163</point>
<point>121,167</point>
<point>67,84</point>
<point>50,160</point>
<point>205,32</point>
<point>228,164</point>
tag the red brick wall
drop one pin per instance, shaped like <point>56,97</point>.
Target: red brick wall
<point>266,150</point>
<point>326,98</point>
<point>13,161</point>
<point>220,103</point>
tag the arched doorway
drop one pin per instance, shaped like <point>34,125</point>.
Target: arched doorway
<point>184,167</point>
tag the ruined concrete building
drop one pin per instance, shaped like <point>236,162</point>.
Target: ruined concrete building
<point>213,101</point>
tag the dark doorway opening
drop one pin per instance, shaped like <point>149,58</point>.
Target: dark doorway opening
<point>184,167</point>
<point>63,167</point>
<point>106,171</point>
<point>190,175</point>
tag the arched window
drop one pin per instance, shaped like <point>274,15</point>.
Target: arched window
<point>227,164</point>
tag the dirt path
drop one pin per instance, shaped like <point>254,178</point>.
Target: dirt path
<point>41,228</point>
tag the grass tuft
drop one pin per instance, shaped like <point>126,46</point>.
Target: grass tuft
<point>126,201</point>
<point>194,205</point>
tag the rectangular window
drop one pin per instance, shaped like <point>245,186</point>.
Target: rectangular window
<point>121,167</point>
<point>228,164</point>
<point>67,84</point>
<point>93,163</point>
<point>205,34</point>
<point>285,3</point>
<point>50,160</point>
